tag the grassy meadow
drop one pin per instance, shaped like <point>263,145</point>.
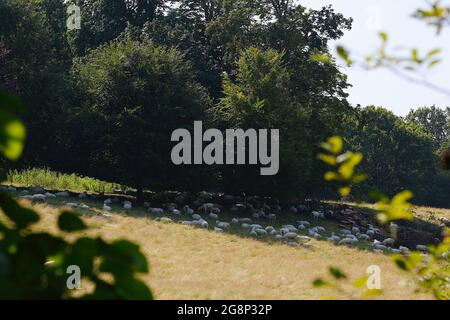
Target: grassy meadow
<point>191,263</point>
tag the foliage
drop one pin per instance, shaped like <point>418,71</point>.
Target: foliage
<point>398,154</point>
<point>260,99</point>
<point>344,163</point>
<point>33,265</point>
<point>432,272</point>
<point>135,94</point>
<point>336,280</point>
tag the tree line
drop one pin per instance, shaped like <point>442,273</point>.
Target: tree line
<point>105,99</point>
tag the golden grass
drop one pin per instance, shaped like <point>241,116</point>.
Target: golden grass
<point>189,263</point>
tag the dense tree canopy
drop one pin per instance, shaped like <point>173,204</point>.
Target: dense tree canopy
<point>105,99</point>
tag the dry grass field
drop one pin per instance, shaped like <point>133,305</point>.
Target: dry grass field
<point>190,263</point>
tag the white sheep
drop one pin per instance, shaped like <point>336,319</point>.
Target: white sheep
<point>176,212</point>
<point>235,221</point>
<point>218,230</point>
<point>320,229</point>
<point>107,201</point>
<point>222,225</point>
<point>196,217</point>
<point>155,210</point>
<point>127,205</point>
<point>422,248</point>
<point>388,242</point>
<point>363,236</point>
<point>269,228</point>
<point>317,214</point>
<point>188,210</point>
<point>245,225</point>
<point>305,223</point>
<point>261,232</point>
<point>245,220</point>
<point>293,209</point>
<point>380,247</point>
<point>253,233</point>
<point>213,216</point>
<point>273,232</point>
<point>290,235</point>
<point>50,195</point>
<point>278,237</point>
<point>106,207</point>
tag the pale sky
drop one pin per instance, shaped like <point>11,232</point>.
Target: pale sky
<point>382,87</point>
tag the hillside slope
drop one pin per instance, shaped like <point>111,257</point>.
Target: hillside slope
<point>191,263</point>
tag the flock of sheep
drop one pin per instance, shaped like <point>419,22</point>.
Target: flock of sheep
<point>297,234</point>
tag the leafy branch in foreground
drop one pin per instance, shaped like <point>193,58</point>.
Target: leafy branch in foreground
<point>431,271</point>
<point>344,165</point>
<point>34,265</point>
<point>336,279</point>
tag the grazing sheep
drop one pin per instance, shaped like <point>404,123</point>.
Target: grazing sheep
<point>83,206</point>
<point>317,214</point>
<point>388,242</point>
<point>293,209</point>
<point>370,232</point>
<point>355,230</point>
<point>404,249</point>
<point>188,210</point>
<point>50,195</point>
<point>165,220</point>
<point>176,212</point>
<point>333,238</point>
<point>106,207</point>
<point>346,231</point>
<point>304,238</point>
<point>261,232</point>
<point>305,223</point>
<point>155,210</point>
<point>235,221</point>
<point>201,223</point>
<point>39,197</point>
<point>213,216</point>
<point>245,225</point>
<point>301,227</point>
<point>215,210</point>
<point>290,235</point>
<point>278,237</point>
<point>363,236</point>
<point>273,232</point>
<point>127,205</point>
<point>380,247</point>
<point>253,233</point>
<point>395,250</point>
<point>255,216</point>
<point>245,220</point>
<point>292,244</point>
<point>223,225</point>
<point>320,229</point>
<point>107,201</point>
<point>186,223</point>
<point>378,251</point>
<point>269,228</point>
<point>283,231</point>
<point>256,226</point>
<point>422,248</point>
<point>196,217</point>
<point>74,205</point>
<point>62,194</point>
<point>218,230</point>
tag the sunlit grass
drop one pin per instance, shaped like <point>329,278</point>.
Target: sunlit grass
<point>190,263</point>
<point>49,179</point>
